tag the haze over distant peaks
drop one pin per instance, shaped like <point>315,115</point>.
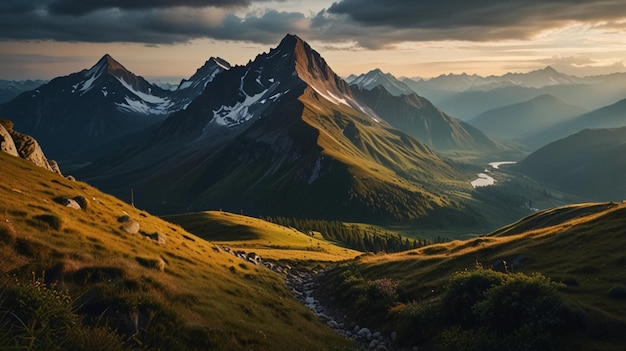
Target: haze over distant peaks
<point>375,78</point>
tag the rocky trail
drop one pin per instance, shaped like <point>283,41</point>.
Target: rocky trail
<point>303,285</point>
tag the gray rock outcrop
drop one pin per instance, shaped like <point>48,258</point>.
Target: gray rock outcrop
<point>6,142</point>
<point>25,145</point>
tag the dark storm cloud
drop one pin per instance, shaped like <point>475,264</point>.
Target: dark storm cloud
<point>480,13</point>
<point>154,26</point>
<point>478,20</point>
<point>368,23</point>
<point>81,7</point>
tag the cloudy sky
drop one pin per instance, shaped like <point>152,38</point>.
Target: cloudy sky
<point>170,39</point>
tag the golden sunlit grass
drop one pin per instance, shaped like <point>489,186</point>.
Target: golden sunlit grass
<point>205,287</point>
<point>269,240</point>
<point>582,246</point>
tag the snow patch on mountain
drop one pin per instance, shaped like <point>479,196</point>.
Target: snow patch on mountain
<point>88,84</point>
<point>143,96</point>
<point>331,97</point>
<point>231,116</point>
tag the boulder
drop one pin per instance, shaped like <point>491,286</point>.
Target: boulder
<point>28,148</point>
<point>6,142</point>
<point>55,167</point>
<point>67,202</point>
<point>131,227</point>
<point>82,201</point>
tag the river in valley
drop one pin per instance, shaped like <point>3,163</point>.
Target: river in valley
<point>485,179</point>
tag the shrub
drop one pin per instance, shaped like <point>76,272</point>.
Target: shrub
<point>527,309</point>
<point>488,310</point>
<point>418,322</point>
<point>464,290</point>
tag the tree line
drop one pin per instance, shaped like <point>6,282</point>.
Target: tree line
<point>351,236</point>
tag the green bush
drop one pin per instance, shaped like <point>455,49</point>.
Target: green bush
<point>464,290</point>
<point>525,309</point>
<point>418,323</point>
<point>487,310</point>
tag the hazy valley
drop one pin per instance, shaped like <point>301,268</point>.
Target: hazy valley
<point>278,206</point>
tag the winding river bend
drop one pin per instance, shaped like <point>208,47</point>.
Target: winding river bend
<point>484,179</point>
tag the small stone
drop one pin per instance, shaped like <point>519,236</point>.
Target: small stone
<point>158,238</point>
<point>333,324</point>
<point>131,227</point>
<point>364,332</point>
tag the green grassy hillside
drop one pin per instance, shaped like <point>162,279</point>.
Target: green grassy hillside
<point>578,250</point>
<point>180,293</point>
<point>269,240</point>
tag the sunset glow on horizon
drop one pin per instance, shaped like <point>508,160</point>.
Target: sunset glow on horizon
<point>169,40</point>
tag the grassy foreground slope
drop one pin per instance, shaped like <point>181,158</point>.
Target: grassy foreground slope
<point>578,250</point>
<point>158,288</point>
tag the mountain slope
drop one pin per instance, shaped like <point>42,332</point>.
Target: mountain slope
<point>580,247</point>
<point>160,287</point>
<point>611,116</point>
<point>85,108</point>
<point>589,163</point>
<point>105,102</point>
<point>527,118</point>
<point>282,135</point>
<point>419,118</point>
<point>189,89</point>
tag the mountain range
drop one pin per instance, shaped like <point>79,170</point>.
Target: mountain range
<point>283,134</point>
<point>521,120</point>
<point>465,96</point>
<point>9,89</point>
<point>376,78</point>
<point>99,104</point>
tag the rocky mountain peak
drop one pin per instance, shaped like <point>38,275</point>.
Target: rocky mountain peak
<point>108,64</point>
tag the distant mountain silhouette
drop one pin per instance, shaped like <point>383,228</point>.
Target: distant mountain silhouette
<point>611,116</point>
<point>375,78</point>
<point>590,163</point>
<point>466,96</point>
<point>9,89</point>
<point>526,118</point>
